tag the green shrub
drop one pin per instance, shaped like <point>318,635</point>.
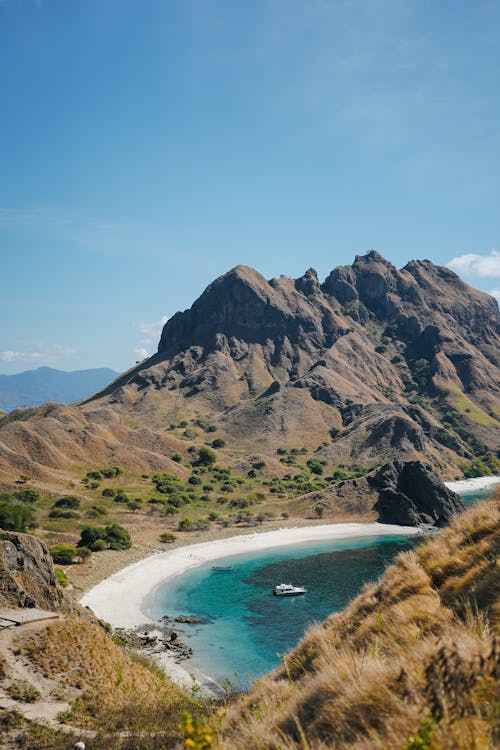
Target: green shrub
<point>110,537</point>
<point>58,513</point>
<point>186,524</point>
<point>315,466</point>
<point>117,537</point>
<point>61,576</point>
<point>134,505</point>
<point>15,516</point>
<point>110,472</point>
<point>218,443</point>
<point>206,457</point>
<point>99,545</point>
<point>68,501</point>
<point>23,691</point>
<point>108,492</point>
<point>28,495</point>
<point>157,501</point>
<point>475,468</point>
<point>167,537</point>
<point>64,554</point>
<point>177,458</point>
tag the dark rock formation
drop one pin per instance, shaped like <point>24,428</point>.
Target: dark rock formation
<point>153,640</point>
<point>27,577</point>
<point>410,494</point>
<point>190,619</point>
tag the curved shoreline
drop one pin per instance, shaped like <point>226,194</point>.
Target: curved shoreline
<point>125,598</point>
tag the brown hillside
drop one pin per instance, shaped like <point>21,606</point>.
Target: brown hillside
<point>374,364</point>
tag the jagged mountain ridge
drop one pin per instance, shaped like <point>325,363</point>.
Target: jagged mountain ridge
<point>373,364</point>
<point>295,358</point>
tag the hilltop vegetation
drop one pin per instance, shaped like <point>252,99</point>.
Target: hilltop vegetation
<point>110,505</point>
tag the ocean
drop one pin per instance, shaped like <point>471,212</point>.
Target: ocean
<point>246,628</point>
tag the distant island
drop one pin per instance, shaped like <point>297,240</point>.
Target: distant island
<point>35,387</point>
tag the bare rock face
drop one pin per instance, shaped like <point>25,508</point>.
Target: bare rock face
<point>411,494</point>
<point>27,577</point>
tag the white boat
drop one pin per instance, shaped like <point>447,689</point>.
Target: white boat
<point>286,589</point>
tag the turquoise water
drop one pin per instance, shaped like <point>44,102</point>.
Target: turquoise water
<point>470,498</point>
<point>246,627</point>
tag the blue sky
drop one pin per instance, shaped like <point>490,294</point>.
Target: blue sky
<point>147,146</point>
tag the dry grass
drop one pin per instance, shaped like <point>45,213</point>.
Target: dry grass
<point>413,656</point>
<point>109,690</point>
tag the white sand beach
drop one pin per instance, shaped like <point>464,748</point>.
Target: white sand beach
<point>124,599</point>
<point>473,485</point>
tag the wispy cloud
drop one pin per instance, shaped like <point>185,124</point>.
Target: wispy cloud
<point>141,353</point>
<point>48,354</point>
<point>151,332</point>
<point>473,264</point>
<point>154,329</point>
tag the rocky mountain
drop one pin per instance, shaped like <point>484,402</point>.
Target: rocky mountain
<point>373,364</point>
<point>34,387</point>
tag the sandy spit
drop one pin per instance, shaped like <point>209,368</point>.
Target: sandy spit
<point>473,485</point>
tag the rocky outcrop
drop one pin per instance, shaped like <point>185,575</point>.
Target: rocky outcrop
<point>411,494</point>
<point>27,577</point>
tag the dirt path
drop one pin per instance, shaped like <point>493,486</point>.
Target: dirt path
<point>18,670</point>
